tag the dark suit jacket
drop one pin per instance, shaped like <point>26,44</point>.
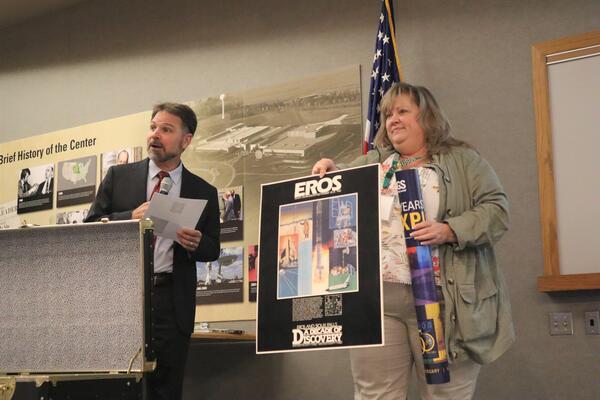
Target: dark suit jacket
<point>237,205</point>
<point>41,187</point>
<point>124,189</point>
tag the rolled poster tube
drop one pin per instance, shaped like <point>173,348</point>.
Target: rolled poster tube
<point>427,304</point>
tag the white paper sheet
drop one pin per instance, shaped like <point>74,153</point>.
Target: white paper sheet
<point>171,213</point>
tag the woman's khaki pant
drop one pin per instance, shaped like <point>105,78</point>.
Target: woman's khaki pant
<point>383,373</point>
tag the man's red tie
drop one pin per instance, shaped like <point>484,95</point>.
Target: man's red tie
<point>161,175</point>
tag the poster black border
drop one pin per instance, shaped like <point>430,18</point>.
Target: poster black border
<point>362,318</point>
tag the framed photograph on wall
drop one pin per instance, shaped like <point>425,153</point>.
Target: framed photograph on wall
<point>76,181</point>
<point>124,155</point>
<point>221,281</point>
<point>35,188</point>
<point>231,213</point>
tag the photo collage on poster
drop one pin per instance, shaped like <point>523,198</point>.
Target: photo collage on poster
<point>221,281</point>
<point>317,247</point>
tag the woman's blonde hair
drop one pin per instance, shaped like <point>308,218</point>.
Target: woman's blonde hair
<point>432,119</point>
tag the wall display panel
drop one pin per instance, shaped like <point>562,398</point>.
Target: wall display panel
<point>76,181</point>
<point>69,148</point>
<point>268,134</point>
<point>8,215</point>
<point>232,215</point>
<point>243,139</point>
<point>119,156</point>
<point>252,272</point>
<point>221,281</point>
<point>35,188</point>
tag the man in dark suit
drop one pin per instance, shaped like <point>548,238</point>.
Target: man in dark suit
<point>237,204</point>
<point>47,185</point>
<point>124,194</point>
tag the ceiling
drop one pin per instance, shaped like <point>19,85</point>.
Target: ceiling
<point>17,11</point>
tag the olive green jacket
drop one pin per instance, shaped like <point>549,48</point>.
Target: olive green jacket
<point>477,314</point>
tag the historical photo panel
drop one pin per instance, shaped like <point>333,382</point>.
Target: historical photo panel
<point>231,213</point>
<point>221,281</point>
<point>123,155</point>
<point>35,188</point>
<point>252,275</point>
<point>71,217</point>
<point>76,181</point>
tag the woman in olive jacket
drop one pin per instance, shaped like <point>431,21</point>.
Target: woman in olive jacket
<point>468,215</point>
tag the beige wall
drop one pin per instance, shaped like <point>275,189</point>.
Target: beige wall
<point>105,59</point>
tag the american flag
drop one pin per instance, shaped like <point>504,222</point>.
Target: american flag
<point>386,70</point>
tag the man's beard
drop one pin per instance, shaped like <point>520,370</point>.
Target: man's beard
<point>161,156</point>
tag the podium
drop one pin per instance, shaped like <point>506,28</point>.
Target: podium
<point>75,303</point>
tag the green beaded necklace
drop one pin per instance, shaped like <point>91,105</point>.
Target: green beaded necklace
<point>403,163</point>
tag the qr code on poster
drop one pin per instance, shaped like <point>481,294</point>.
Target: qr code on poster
<point>333,305</point>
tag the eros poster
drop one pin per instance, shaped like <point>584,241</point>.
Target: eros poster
<point>319,283</point>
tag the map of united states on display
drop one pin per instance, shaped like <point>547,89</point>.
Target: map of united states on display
<point>75,171</point>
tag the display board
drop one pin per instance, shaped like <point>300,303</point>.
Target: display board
<point>244,138</point>
<point>319,281</point>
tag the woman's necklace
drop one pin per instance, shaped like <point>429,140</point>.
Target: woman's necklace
<point>406,161</point>
<point>387,179</point>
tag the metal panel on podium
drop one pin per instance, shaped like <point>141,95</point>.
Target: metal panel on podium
<point>75,302</point>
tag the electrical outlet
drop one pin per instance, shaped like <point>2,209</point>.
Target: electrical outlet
<point>592,323</point>
<point>561,323</point>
